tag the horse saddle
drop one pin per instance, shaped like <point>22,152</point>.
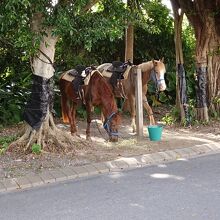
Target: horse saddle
<point>76,76</point>
<point>70,75</point>
<point>73,72</point>
<point>117,66</point>
<point>80,73</point>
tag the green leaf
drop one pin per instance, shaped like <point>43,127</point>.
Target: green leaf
<point>36,148</point>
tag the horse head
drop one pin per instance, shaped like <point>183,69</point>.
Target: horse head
<point>157,74</point>
<point>111,125</point>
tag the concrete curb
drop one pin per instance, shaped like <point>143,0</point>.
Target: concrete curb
<point>120,164</point>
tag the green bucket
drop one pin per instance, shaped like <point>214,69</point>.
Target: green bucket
<point>155,132</point>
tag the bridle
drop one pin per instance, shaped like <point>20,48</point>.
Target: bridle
<point>153,76</point>
<point>107,127</point>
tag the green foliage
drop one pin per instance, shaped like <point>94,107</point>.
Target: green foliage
<point>163,97</point>
<point>171,117</point>
<point>91,37</point>
<point>4,143</point>
<point>215,114</point>
<point>14,87</point>
<point>81,112</point>
<point>97,111</point>
<point>174,115</point>
<point>36,148</point>
<point>168,119</point>
<point>192,111</point>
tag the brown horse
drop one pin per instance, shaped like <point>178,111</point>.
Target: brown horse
<point>97,92</point>
<point>154,70</point>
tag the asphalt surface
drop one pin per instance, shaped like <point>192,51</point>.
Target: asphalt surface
<point>182,190</point>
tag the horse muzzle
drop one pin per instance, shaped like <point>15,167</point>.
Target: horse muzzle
<point>162,87</point>
<point>161,84</point>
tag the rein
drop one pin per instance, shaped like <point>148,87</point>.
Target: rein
<point>106,125</point>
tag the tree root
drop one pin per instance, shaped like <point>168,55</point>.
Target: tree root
<point>49,137</point>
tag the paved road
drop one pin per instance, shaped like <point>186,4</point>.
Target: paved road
<point>181,190</point>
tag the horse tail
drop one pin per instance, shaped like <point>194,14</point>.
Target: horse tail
<point>64,99</point>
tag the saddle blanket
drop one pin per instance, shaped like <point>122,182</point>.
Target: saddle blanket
<point>108,74</point>
<point>68,77</point>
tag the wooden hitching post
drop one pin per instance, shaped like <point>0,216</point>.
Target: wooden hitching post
<point>139,104</point>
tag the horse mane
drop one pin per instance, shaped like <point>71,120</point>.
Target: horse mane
<point>146,66</point>
<point>106,87</point>
<point>106,93</point>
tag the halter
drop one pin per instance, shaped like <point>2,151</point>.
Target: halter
<point>106,125</point>
<point>153,76</point>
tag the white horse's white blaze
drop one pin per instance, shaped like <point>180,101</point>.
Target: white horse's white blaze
<point>161,81</point>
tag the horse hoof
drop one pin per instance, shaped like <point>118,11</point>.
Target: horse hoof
<point>78,135</point>
<point>75,135</point>
<point>88,138</point>
<point>113,139</point>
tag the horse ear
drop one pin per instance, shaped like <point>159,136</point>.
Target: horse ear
<point>154,62</point>
<point>162,60</point>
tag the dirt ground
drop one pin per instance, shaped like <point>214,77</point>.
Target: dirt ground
<point>173,137</point>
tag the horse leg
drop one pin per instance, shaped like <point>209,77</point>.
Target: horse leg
<point>102,117</point>
<point>88,111</point>
<point>72,117</point>
<point>131,99</point>
<point>147,106</point>
<point>149,110</point>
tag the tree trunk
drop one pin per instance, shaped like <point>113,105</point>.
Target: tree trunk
<point>129,46</point>
<point>129,43</point>
<point>181,93</point>
<point>205,19</point>
<point>208,68</point>
<point>213,76</point>
<point>129,36</point>
<point>40,127</point>
<point>201,73</point>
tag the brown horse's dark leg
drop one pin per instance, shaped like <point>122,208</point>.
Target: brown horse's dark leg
<point>88,111</point>
<point>72,119</point>
<point>131,99</point>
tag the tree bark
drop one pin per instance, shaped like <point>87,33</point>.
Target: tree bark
<point>129,36</point>
<point>213,72</point>
<point>205,19</point>
<point>181,93</point>
<point>41,128</point>
<point>129,43</point>
<point>129,46</point>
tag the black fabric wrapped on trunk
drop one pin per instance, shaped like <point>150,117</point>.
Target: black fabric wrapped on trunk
<point>182,84</point>
<point>183,92</point>
<point>201,83</point>
<point>41,96</point>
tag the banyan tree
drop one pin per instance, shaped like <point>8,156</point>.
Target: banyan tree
<point>204,16</point>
